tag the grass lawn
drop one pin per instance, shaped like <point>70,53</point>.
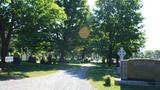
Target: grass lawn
<point>96,77</point>
<point>33,70</point>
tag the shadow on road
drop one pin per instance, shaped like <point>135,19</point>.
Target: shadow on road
<point>78,72</point>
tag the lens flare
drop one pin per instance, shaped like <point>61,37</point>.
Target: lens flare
<point>84,32</point>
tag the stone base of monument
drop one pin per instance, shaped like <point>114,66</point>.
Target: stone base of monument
<point>118,81</point>
<point>118,71</point>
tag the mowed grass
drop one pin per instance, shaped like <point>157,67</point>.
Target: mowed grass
<point>33,70</point>
<point>97,74</point>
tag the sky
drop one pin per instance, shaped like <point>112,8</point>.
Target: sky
<point>151,13</point>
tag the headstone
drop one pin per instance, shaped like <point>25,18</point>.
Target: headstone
<point>141,69</point>
<point>121,53</point>
<point>124,70</point>
<point>140,72</point>
<point>24,57</point>
<point>9,59</point>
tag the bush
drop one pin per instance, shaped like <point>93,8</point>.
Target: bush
<point>107,80</point>
<point>16,58</point>
<point>3,66</point>
<point>49,59</point>
<point>32,59</point>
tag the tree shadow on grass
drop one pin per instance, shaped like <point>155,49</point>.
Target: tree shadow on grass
<point>98,72</point>
<point>4,77</point>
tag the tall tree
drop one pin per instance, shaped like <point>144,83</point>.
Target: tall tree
<point>21,16</point>
<point>118,23</point>
<point>48,15</point>
<point>67,33</point>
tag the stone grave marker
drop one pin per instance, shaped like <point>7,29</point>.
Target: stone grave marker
<point>9,59</point>
<point>143,69</point>
<point>144,72</point>
<point>121,53</point>
<point>24,57</point>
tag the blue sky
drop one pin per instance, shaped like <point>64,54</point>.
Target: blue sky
<point>151,13</point>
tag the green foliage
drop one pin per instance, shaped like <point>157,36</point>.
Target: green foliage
<point>28,21</point>
<point>118,24</point>
<point>17,54</point>
<point>47,31</point>
<point>152,54</point>
<point>148,54</point>
<point>53,26</point>
<point>38,22</point>
<point>65,38</point>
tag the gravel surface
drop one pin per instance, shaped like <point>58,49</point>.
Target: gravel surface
<point>71,79</point>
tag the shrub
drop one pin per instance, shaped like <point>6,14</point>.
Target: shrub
<point>16,58</point>
<point>107,80</point>
<point>32,59</point>
<point>3,66</point>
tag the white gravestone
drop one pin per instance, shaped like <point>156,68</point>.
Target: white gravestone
<point>9,59</point>
<point>121,53</point>
<point>24,57</point>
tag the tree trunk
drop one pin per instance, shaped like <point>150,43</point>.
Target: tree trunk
<point>110,51</point>
<point>109,61</point>
<point>61,59</point>
<point>5,39</point>
<point>117,61</point>
<point>3,46</point>
<point>103,60</point>
<point>83,53</point>
<point>6,36</point>
<point>3,52</point>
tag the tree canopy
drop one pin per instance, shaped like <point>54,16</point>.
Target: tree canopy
<point>54,26</point>
<point>67,38</point>
<point>27,19</point>
<point>118,24</point>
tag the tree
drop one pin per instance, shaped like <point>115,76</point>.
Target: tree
<point>66,36</point>
<point>118,23</point>
<point>152,54</point>
<point>36,38</point>
<point>26,18</point>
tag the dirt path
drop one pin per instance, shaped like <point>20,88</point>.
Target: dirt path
<point>71,79</point>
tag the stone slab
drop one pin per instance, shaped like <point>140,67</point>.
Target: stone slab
<point>140,69</point>
<point>118,81</point>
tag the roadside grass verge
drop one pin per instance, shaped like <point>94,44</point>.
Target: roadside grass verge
<point>96,77</point>
<point>26,70</point>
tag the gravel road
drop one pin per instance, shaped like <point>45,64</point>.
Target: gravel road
<point>71,79</point>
